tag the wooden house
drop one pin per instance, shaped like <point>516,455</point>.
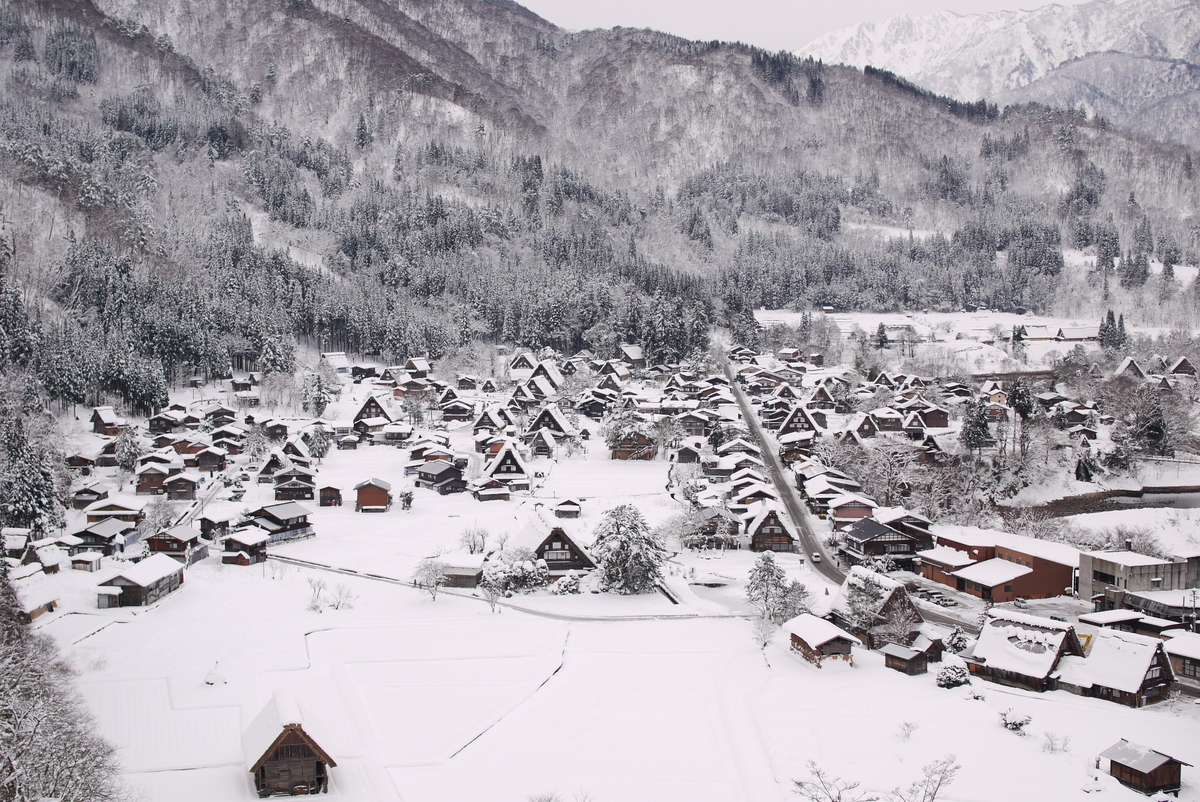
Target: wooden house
<point>508,467</point>
<point>769,530</point>
<point>245,547</point>
<point>803,419</point>
<point>1122,667</point>
<point>633,356</point>
<point>1144,769</point>
<point>372,408</point>
<point>489,490</point>
<point>142,584</point>
<point>522,361</point>
<point>89,561</point>
<point>106,537</point>
<point>867,538</point>
<point>181,486</point>
<point>635,446</point>
<point>1183,650</point>
<point>181,543</point>
<point>463,570</point>
<point>551,417</point>
<point>903,659</point>
<point>567,508</point>
<point>330,497</point>
<point>417,367</point>
<point>285,521</point>
<point>121,508</point>
<point>817,640</point>
<point>441,476</point>
<point>86,496</point>
<point>563,551</point>
<point>849,508</point>
<point>281,752</point>
<point>373,495</point>
<point>106,421</point>
<point>295,483</point>
<point>488,386</point>
<point>1022,651</point>
<point>1182,367</point>
<point>457,411</point>
<point>467,382</point>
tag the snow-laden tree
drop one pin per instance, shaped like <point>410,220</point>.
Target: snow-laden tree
<point>128,450</point>
<point>318,392</point>
<point>771,594</point>
<point>630,555</point>
<point>863,601</point>
<point>766,585</point>
<point>625,426</point>
<point>320,442</point>
<point>28,495</point>
<point>474,539</point>
<point>430,576</point>
<point>974,435</point>
<point>48,747</point>
<point>257,444</point>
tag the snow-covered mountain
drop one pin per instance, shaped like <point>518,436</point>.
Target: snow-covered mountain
<point>981,55</point>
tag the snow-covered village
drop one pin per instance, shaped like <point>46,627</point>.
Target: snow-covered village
<point>483,401</point>
<point>395,581</point>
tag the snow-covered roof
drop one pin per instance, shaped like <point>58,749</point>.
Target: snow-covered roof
<point>816,631</point>
<point>1129,559</point>
<point>896,650</point>
<point>373,483</point>
<point>1137,757</point>
<point>1109,617</point>
<point>1184,644</point>
<point>1024,644</point>
<point>151,570</point>
<point>888,514</point>
<point>281,712</point>
<point>1115,659</point>
<point>991,573</point>
<point>944,555</point>
<point>973,536</point>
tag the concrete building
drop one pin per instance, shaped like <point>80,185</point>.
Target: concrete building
<point>1105,577</point>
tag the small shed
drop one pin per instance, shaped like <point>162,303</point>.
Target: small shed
<point>281,752</point>
<point>87,561</point>
<point>373,495</point>
<point>567,508</point>
<point>818,640</point>
<point>1142,768</point>
<point>905,660</point>
<point>463,570</point>
<point>331,497</point>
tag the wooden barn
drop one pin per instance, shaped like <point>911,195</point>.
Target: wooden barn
<point>282,753</point>
<point>373,495</point>
<point>1143,769</point>
<point>903,659</point>
<point>818,640</point>
<point>636,446</point>
<point>769,530</point>
<point>142,584</point>
<point>331,497</point>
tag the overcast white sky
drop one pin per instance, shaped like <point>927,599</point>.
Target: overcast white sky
<point>773,24</point>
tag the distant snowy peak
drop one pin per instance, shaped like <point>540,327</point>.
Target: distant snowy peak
<point>979,55</point>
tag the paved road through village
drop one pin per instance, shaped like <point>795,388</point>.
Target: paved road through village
<point>810,543</point>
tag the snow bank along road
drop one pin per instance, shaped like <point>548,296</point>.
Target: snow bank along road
<point>809,542</point>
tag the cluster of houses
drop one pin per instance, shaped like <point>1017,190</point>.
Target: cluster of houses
<point>1161,371</point>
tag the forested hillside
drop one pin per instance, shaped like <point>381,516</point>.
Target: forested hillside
<point>187,186</point>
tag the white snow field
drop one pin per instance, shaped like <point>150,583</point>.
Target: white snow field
<point>429,701</point>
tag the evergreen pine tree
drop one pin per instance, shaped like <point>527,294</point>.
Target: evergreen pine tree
<point>974,434</point>
<point>630,555</point>
<point>767,586</point>
<point>362,135</point>
<point>881,337</point>
<point>1119,337</point>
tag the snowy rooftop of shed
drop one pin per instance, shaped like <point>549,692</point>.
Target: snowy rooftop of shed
<point>1137,757</point>
<point>816,631</point>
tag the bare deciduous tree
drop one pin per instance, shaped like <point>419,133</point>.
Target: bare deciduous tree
<point>430,576</point>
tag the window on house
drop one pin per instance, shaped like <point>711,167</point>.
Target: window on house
<point>557,555</point>
<point>1191,668</point>
<point>1154,673</point>
<point>1100,576</point>
<point>1008,588</point>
